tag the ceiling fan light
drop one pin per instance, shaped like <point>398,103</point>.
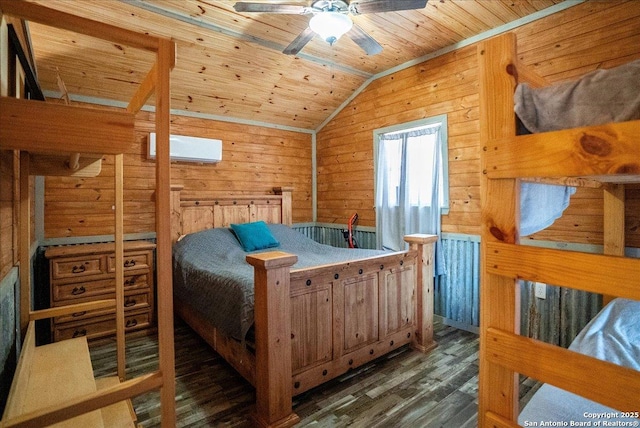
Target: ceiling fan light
<point>330,25</point>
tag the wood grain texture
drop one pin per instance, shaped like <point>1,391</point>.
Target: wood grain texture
<point>608,153</point>
<point>500,295</point>
<point>257,157</point>
<point>254,158</point>
<point>105,131</point>
<point>232,63</point>
<point>503,352</point>
<point>615,275</point>
<point>560,47</point>
<point>204,210</point>
<point>316,323</point>
<point>572,371</point>
<point>272,313</point>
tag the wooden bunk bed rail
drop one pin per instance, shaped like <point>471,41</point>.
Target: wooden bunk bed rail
<point>73,129</point>
<point>570,370</point>
<point>605,157</point>
<point>109,132</point>
<point>614,275</point>
<point>606,153</point>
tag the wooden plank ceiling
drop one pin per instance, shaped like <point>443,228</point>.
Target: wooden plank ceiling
<point>230,64</point>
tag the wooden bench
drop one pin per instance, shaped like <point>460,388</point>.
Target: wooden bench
<point>53,375</point>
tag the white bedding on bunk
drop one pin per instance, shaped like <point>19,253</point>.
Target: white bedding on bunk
<point>613,335</point>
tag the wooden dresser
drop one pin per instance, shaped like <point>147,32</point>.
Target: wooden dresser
<point>86,272</point>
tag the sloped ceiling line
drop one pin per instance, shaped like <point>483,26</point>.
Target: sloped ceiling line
<point>469,41</point>
<point>163,11</point>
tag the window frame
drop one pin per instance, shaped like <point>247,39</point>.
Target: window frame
<point>420,123</point>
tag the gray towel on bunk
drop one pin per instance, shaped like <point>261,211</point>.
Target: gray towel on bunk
<point>599,97</point>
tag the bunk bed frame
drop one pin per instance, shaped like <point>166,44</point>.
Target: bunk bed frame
<point>63,128</point>
<point>299,343</point>
<point>607,157</point>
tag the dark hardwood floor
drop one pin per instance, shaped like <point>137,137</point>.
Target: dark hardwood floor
<point>405,389</point>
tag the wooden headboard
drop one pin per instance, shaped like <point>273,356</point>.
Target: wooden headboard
<point>195,212</point>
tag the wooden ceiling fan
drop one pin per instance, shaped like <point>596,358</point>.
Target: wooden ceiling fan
<point>331,19</point>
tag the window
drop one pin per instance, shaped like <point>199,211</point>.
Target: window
<point>411,179</point>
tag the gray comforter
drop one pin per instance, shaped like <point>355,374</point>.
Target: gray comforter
<point>210,272</point>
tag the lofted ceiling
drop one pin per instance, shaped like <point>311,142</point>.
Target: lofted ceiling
<point>231,64</point>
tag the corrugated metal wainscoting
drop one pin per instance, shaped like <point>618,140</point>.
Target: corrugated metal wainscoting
<point>457,291</point>
<point>330,234</point>
<point>560,316</point>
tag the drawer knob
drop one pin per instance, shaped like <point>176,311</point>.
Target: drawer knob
<point>129,263</point>
<point>130,302</point>
<point>78,314</point>
<point>79,333</point>
<point>79,290</point>
<point>78,269</point>
<point>132,323</point>
<point>130,281</point>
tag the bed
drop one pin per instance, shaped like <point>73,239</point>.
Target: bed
<point>304,313</point>
<point>605,156</point>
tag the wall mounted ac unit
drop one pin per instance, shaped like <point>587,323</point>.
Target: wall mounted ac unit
<point>189,149</point>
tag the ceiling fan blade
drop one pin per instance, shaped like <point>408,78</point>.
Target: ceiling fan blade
<point>291,9</point>
<point>299,42</point>
<point>373,6</point>
<point>364,40</point>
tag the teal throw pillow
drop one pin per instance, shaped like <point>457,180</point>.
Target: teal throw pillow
<point>254,236</point>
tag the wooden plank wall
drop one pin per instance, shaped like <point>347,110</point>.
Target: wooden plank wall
<point>254,160</point>
<point>563,46</point>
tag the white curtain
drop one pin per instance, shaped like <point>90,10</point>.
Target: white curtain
<point>408,194</point>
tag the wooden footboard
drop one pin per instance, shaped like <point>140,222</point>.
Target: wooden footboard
<point>315,324</point>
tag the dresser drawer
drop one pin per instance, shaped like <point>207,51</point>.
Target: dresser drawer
<point>131,261</point>
<point>100,327</point>
<point>102,288</point>
<point>77,267</point>
<point>82,290</point>
<point>133,302</point>
<point>139,280</point>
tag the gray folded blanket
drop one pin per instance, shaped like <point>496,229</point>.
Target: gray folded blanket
<point>599,97</point>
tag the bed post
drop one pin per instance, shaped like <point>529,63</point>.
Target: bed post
<point>286,204</point>
<point>499,295</point>
<point>425,247</point>
<point>614,230</point>
<point>272,314</point>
